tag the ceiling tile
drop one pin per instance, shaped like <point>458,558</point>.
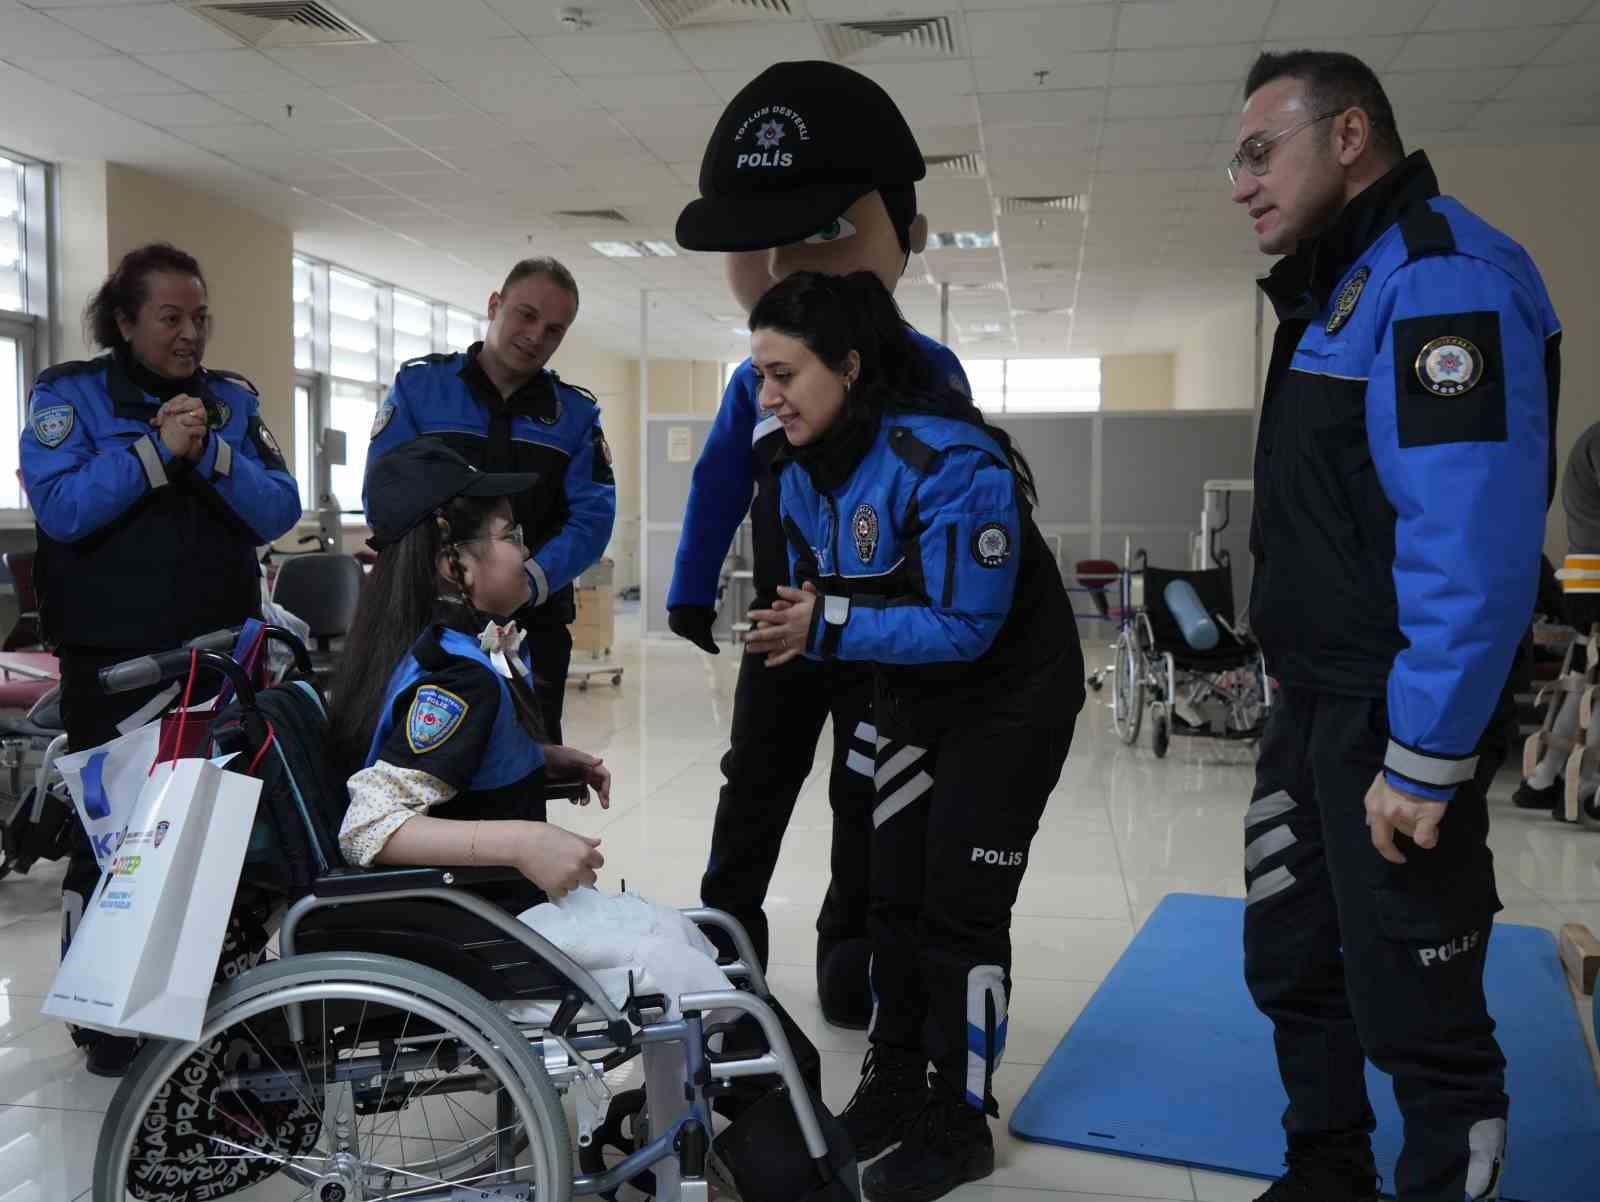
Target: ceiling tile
<point>146,28</point>
<point>1319,19</point>
<point>1016,73</point>
<point>679,90</point>
<point>673,148</point>
<point>1498,14</point>
<point>1153,158</point>
<point>754,46</point>
<point>573,150</point>
<point>1523,115</point>
<point>947,139</point>
<point>1579,44</point>
<point>697,122</point>
<point>329,136</point>
<point>184,108</point>
<point>426,20</point>
<point>400,101</point>
<point>342,66</point>
<point>470,129</point>
<point>612,54</point>
<point>272,106</point>
<point>526,94</point>
<point>1165,132</point>
<point>243,138</point>
<point>1552,83</point>
<point>25,36</point>
<point>1376,52</point>
<point>1407,88</point>
<point>604,16</point>
<point>224,70</point>
<point>1468,51</point>
<point>389,161</point>
<point>1199,64</point>
<point>1040,108</point>
<point>113,75</point>
<point>1155,23</point>
<point>477,60</point>
<point>1024,142</point>
<point>1180,101</point>
<point>1041,34</point>
<point>566,129</point>
<point>297,168</point>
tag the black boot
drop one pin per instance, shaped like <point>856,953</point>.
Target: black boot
<point>946,1145</point>
<point>843,986</point>
<point>1327,1168</point>
<point>892,1091</point>
<point>1528,797</point>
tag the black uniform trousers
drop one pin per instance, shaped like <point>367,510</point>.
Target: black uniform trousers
<point>549,647</point>
<point>778,715</point>
<point>952,826</point>
<point>1354,958</point>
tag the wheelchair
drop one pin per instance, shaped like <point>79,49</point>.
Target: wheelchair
<point>413,1040</point>
<point>1221,693</point>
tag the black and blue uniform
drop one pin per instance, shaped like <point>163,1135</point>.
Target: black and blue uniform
<point>932,571</point>
<point>139,550</point>
<point>547,427</point>
<point>778,715</point>
<point>1403,469</point>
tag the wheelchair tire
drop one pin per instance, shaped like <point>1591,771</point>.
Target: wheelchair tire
<point>253,1009</point>
<point>1127,688</point>
<point>1160,731</point>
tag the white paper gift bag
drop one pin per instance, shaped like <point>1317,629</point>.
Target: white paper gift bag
<point>105,783</point>
<point>145,956</point>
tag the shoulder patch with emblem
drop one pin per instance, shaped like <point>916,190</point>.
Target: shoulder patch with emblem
<point>1450,379</point>
<point>434,716</point>
<point>991,545</point>
<point>1349,295</point>
<point>381,418</point>
<point>864,531</point>
<point>52,424</point>
<point>266,445</point>
<point>603,472</point>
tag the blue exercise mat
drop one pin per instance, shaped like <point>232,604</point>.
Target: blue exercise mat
<point>1171,1061</point>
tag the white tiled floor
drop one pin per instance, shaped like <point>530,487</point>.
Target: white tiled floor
<point>1122,831</point>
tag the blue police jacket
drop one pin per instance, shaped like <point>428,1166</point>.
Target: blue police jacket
<point>449,713</point>
<point>547,427</point>
<point>931,568</point>
<point>1403,468</point>
<point>138,548</point>
<point>736,458</point>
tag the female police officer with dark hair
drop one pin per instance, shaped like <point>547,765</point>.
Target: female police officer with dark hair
<point>912,539</point>
<point>153,481</point>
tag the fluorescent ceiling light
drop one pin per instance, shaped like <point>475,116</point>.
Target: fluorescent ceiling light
<point>634,250</point>
<point>963,240</point>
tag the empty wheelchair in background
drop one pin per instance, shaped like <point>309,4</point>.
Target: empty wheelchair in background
<point>414,1040</point>
<point>1181,654</point>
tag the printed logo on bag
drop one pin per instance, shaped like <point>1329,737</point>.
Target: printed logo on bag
<point>160,833</point>
<point>991,545</point>
<point>770,126</point>
<point>52,424</point>
<point>1346,304</point>
<point>218,414</point>
<point>997,859</point>
<point>435,715</point>
<point>1427,957</point>
<point>864,530</point>
<point>1449,366</point>
<point>105,845</point>
<point>381,418</point>
<point>126,865</point>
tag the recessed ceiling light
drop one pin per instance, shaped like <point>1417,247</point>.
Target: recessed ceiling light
<point>633,250</point>
<point>963,240</point>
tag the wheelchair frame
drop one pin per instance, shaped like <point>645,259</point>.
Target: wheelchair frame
<point>566,1053</point>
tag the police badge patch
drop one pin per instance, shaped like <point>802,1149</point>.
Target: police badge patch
<point>381,418</point>
<point>1346,304</point>
<point>218,414</point>
<point>554,416</point>
<point>52,425</point>
<point>1449,366</point>
<point>991,545</point>
<point>434,716</point>
<point>864,530</point>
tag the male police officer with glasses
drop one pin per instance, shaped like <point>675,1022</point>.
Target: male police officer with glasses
<point>1403,468</point>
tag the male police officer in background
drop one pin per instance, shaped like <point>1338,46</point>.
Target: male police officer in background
<point>504,411</point>
<point>1403,468</point>
<point>811,167</point>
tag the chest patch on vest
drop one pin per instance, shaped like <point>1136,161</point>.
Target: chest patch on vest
<point>434,716</point>
<point>52,425</point>
<point>864,531</point>
<point>1349,295</point>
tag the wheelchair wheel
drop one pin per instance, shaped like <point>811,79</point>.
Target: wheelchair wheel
<point>1127,689</point>
<point>1160,730</point>
<point>407,1084</point>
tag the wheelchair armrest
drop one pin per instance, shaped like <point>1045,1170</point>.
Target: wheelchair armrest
<point>354,882</point>
<point>570,788</point>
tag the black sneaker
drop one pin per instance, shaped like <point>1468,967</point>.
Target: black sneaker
<point>893,1088</point>
<point>1327,1168</point>
<point>843,984</point>
<point>113,1055</point>
<point>1527,797</point>
<point>946,1145</point>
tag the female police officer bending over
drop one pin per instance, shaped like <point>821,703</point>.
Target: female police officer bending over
<point>911,534</point>
<point>434,722</point>
<point>153,481</point>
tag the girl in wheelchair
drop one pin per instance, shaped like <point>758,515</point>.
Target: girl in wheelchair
<point>434,723</point>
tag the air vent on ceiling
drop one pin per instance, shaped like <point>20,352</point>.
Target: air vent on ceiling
<point>608,215</point>
<point>275,24</point>
<point>676,14</point>
<point>1076,203</point>
<point>968,166</point>
<point>902,38</point>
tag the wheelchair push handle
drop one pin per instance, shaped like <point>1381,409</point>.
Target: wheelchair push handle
<point>156,669</point>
